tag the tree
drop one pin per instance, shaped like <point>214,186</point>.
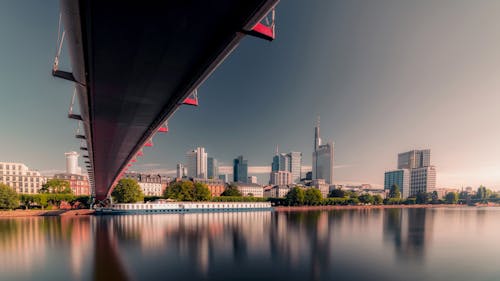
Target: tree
<point>56,186</point>
<point>367,198</point>
<point>395,191</point>
<point>312,196</point>
<point>27,200</point>
<point>295,196</point>
<point>201,192</point>
<point>8,197</point>
<point>337,193</point>
<point>128,191</point>
<point>451,198</point>
<point>377,199</point>
<point>434,197</point>
<point>231,190</point>
<point>188,191</point>
<point>423,198</point>
<point>181,191</point>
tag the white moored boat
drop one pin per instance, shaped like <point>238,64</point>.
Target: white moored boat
<point>182,207</point>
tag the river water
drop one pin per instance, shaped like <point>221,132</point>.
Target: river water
<point>392,244</point>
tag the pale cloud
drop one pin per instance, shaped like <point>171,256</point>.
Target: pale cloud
<point>486,175</point>
<point>251,169</point>
<point>51,172</point>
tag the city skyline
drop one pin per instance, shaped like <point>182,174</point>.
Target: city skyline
<point>364,82</point>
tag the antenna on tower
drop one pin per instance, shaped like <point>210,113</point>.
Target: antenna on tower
<point>317,122</point>
<point>276,150</point>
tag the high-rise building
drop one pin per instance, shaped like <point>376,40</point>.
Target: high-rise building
<point>181,171</point>
<point>280,178</point>
<point>291,162</point>
<point>415,173</point>
<point>414,159</point>
<point>422,180</point>
<point>224,177</point>
<point>400,177</point>
<point>240,170</point>
<point>20,178</point>
<point>196,162</point>
<point>212,168</point>
<point>295,165</point>
<point>252,179</point>
<point>72,163</point>
<point>323,158</point>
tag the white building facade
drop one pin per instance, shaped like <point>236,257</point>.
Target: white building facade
<point>250,189</point>
<point>280,178</point>
<point>21,178</point>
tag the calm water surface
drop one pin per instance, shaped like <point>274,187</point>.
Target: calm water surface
<point>392,244</point>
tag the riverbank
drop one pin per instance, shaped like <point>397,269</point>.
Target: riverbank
<point>369,207</point>
<point>45,213</point>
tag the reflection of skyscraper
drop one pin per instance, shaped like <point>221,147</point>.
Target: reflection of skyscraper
<point>410,231</point>
<point>323,158</point>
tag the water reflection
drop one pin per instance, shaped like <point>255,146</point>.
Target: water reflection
<point>337,245</point>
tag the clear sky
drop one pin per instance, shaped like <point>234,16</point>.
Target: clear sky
<point>385,77</point>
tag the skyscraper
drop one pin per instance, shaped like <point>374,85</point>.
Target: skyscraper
<point>415,173</point>
<point>401,177</point>
<point>212,168</point>
<point>323,158</point>
<point>196,162</point>
<point>72,163</point>
<point>414,159</point>
<point>181,170</point>
<point>295,165</point>
<point>291,162</point>
<point>240,170</point>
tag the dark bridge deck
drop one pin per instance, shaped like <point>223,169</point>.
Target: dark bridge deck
<point>135,62</point>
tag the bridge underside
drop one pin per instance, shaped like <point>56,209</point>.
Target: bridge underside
<point>134,63</point>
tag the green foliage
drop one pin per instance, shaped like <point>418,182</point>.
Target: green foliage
<point>451,198</point>
<point>337,193</point>
<point>312,196</point>
<point>56,186</point>
<point>127,191</point>
<point>367,198</point>
<point>8,197</point>
<point>81,202</point>
<point>423,198</point>
<point>295,197</point>
<point>378,200</point>
<point>201,192</point>
<point>336,201</point>
<point>410,201</point>
<point>239,199</point>
<point>395,192</point>
<point>151,198</point>
<point>463,195</point>
<point>187,191</point>
<point>434,197</point>
<point>231,190</point>
<point>352,194</point>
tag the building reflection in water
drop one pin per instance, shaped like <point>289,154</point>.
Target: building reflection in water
<point>205,241</point>
<point>410,230</point>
